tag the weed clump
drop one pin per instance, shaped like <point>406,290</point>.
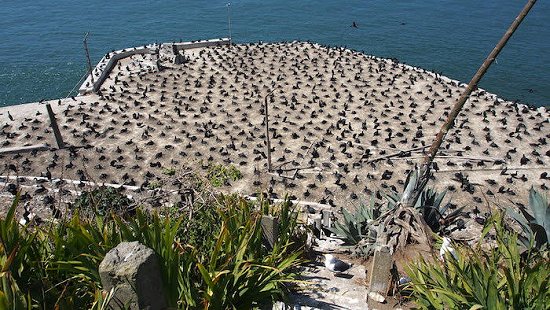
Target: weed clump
<point>220,175</point>
<point>103,200</point>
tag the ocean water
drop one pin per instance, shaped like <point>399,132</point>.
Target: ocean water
<point>42,55</point>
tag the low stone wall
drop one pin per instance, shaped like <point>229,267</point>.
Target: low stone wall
<point>108,62</point>
<point>201,43</point>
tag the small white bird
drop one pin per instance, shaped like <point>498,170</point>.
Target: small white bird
<point>335,265</point>
<point>447,248</point>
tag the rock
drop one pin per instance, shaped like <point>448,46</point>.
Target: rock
<point>377,297</point>
<point>132,269</point>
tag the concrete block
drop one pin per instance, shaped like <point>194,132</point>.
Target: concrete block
<point>328,222</point>
<point>132,269</point>
<point>380,275</point>
<point>317,228</point>
<point>314,221</point>
<point>327,218</point>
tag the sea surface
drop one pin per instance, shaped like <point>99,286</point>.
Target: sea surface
<point>42,54</point>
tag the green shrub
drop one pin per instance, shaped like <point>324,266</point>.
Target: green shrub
<point>15,248</point>
<point>204,221</point>
<point>220,175</point>
<point>102,201</point>
<point>241,273</point>
<point>169,171</point>
<point>154,185</point>
<point>501,278</point>
<point>55,266</point>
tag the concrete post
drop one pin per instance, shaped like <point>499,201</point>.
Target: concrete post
<point>380,275</point>
<point>270,228</point>
<point>132,269</point>
<point>267,140</point>
<point>327,218</point>
<point>56,132</point>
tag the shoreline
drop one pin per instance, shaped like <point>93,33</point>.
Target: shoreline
<point>104,66</point>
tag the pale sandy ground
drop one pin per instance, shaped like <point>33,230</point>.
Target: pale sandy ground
<point>332,111</point>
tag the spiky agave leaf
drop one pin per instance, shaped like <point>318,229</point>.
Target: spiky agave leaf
<point>355,226</point>
<point>540,223</point>
<point>350,230</point>
<point>431,206</point>
<point>415,184</point>
<point>524,224</point>
<point>537,225</point>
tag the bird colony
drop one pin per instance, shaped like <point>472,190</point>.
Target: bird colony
<point>342,126</point>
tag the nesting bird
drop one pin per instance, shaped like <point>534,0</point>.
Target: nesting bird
<point>335,265</point>
<point>447,249</point>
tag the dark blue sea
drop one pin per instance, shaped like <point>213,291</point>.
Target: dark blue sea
<point>42,55</point>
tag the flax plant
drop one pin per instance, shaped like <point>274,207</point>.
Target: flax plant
<point>503,277</point>
<point>55,265</point>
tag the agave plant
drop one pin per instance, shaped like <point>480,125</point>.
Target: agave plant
<point>430,204</point>
<point>413,210</point>
<point>354,227</point>
<point>536,225</point>
<point>414,185</point>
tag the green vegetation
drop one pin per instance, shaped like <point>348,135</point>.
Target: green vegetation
<point>241,273</point>
<point>220,175</point>
<point>500,278</point>
<point>434,212</point>
<point>55,266</point>
<point>411,217</point>
<point>213,254</point>
<point>504,270</point>
<point>154,185</point>
<point>102,201</point>
<point>361,229</point>
<point>535,225</point>
<point>201,225</point>
<point>356,229</point>
<point>169,171</point>
<point>431,207</point>
<point>354,226</point>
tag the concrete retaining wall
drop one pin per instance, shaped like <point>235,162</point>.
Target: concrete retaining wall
<point>202,43</point>
<point>108,62</point>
